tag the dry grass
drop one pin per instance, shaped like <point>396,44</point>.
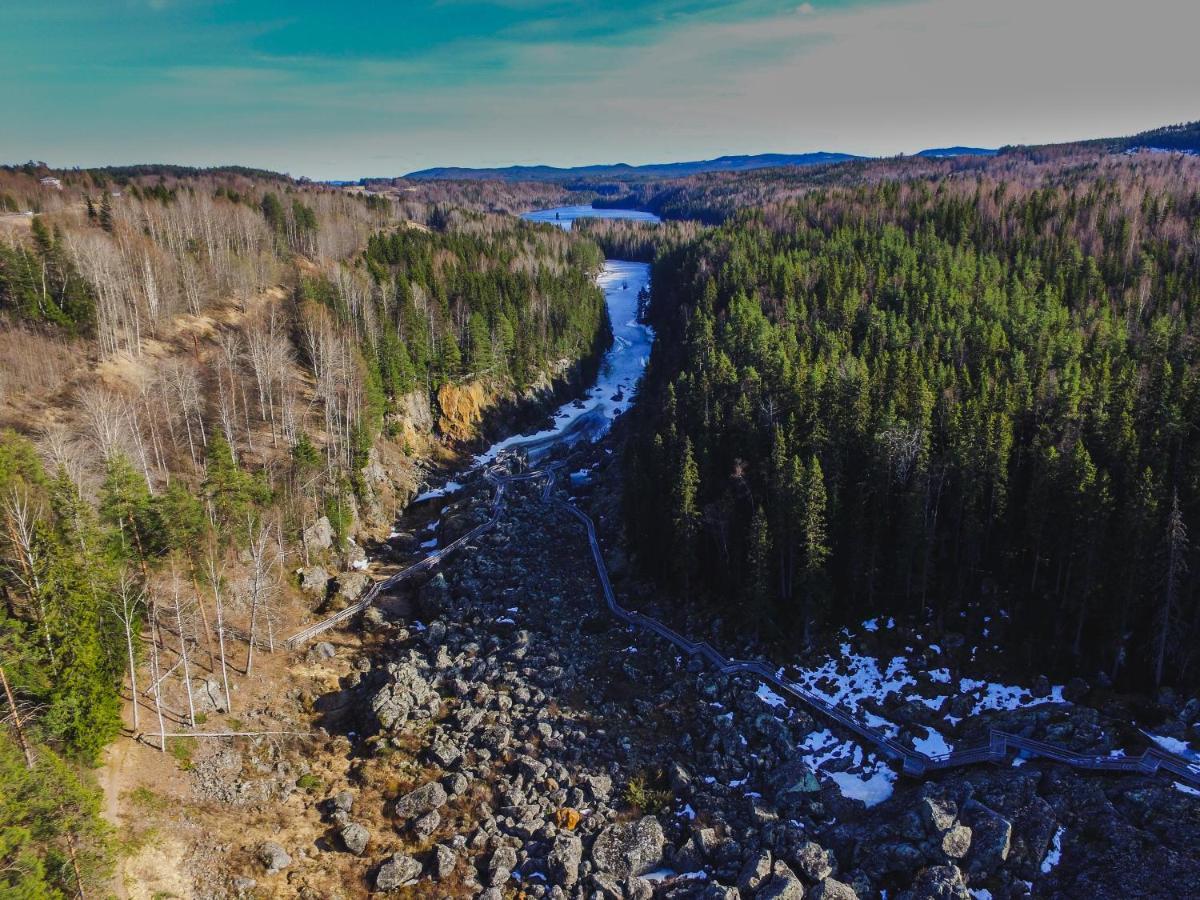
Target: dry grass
<point>33,366</point>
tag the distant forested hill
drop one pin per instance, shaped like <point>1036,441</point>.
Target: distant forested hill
<point>623,171</point>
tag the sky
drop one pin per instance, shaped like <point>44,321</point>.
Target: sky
<point>360,88</point>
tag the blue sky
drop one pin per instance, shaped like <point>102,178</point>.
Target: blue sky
<point>354,88</point>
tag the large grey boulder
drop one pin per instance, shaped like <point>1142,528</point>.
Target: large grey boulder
<point>314,581</point>
<point>629,848</point>
<point>273,857</point>
<point>208,695</point>
<point>355,838</point>
<point>831,889</point>
<point>938,883</point>
<point>756,870</point>
<point>397,872</point>
<point>564,859</point>
<point>444,861</point>
<point>991,839</point>
<point>792,781</point>
<point>350,586</point>
<point>425,826</point>
<point>956,842</point>
<point>782,885</point>
<point>318,536</point>
<point>424,799</point>
<point>501,865</point>
<point>939,815</point>
<point>813,861</point>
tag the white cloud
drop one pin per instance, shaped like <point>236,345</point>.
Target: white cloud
<point>874,80</point>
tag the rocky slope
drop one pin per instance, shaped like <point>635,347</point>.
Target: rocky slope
<point>500,736</point>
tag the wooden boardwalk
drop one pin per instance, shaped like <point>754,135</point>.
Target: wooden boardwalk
<point>999,747</point>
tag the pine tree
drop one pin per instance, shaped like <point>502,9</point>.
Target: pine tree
<point>1176,568</point>
<point>686,519</point>
<point>757,589</point>
<point>106,212</point>
<point>816,546</point>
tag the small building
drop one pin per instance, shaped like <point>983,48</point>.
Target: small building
<point>52,182</point>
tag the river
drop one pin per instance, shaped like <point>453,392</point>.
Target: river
<point>590,416</point>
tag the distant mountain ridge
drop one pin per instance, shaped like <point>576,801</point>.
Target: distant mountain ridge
<point>1181,138</point>
<point>625,171</point>
<point>945,152</point>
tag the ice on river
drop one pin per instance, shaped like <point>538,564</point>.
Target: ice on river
<point>563,216</point>
<point>620,371</point>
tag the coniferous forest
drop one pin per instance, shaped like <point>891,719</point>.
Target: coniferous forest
<point>963,399</point>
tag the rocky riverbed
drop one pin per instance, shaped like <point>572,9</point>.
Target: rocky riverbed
<point>501,736</point>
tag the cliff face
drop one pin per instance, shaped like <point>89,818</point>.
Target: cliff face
<point>435,433</point>
<point>461,408</point>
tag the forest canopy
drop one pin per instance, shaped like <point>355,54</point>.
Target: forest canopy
<point>961,399</point>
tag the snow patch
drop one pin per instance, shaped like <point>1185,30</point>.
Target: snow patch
<point>1054,854</point>
<point>769,697</point>
<point>872,791</point>
<point>450,487</point>
<point>933,744</point>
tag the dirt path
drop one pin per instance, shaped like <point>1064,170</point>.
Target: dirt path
<point>114,782</point>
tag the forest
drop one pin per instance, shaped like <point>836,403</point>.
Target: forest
<point>973,400</point>
<point>195,366</point>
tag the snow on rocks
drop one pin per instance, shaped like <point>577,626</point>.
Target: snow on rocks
<point>1054,854</point>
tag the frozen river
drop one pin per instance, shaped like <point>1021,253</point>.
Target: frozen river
<point>621,369</point>
<point>563,216</point>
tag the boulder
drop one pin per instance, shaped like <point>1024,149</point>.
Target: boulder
<point>400,870</point>
<point>416,803</point>
<point>501,865</point>
<point>991,839</point>
<point>629,848</point>
<point>273,857</point>
<point>314,581</point>
<point>444,861</point>
<point>444,755</point>
<point>782,885</point>
<point>350,586</point>
<point>938,883</point>
<point>208,695</point>
<point>938,814</point>
<point>756,870</point>
<point>813,861</point>
<point>456,784</point>
<point>425,826</point>
<point>564,858</point>
<point>320,651</point>
<point>957,842</point>
<point>792,781</point>
<point>831,889</point>
<point>354,838</point>
<point>318,536</point>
